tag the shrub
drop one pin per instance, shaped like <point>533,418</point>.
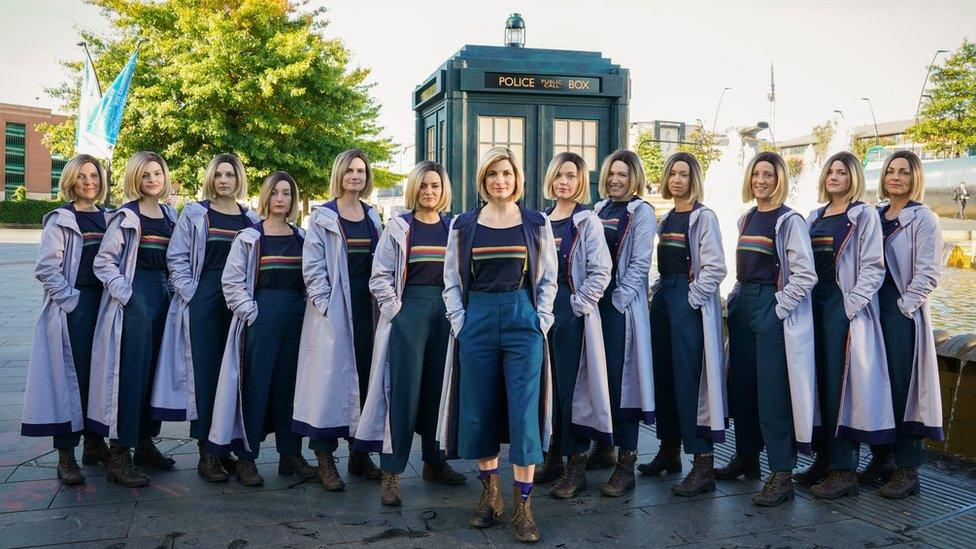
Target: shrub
<point>28,212</point>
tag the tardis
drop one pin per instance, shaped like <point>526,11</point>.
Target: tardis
<point>536,102</point>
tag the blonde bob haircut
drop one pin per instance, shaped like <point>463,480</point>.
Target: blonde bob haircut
<point>582,194</point>
<point>264,198</point>
<point>493,155</point>
<point>782,190</point>
<point>339,167</point>
<point>854,173</point>
<point>638,182</point>
<point>696,179</point>
<point>132,180</point>
<point>69,176</point>
<point>917,192</point>
<point>416,177</point>
<point>209,178</point>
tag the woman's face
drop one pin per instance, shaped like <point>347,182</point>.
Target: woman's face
<point>354,180</point>
<point>763,180</point>
<point>618,180</point>
<point>429,192</point>
<point>567,181</point>
<point>679,180</point>
<point>898,178</point>
<point>500,180</point>
<point>838,180</point>
<point>88,182</point>
<point>153,181</point>
<point>225,179</point>
<point>280,201</point>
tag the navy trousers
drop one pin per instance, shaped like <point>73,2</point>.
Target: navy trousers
<point>759,386</point>
<point>143,321</point>
<point>209,323</point>
<point>565,348</point>
<point>81,333</point>
<point>678,347</point>
<point>625,429</point>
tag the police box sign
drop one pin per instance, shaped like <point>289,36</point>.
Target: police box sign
<point>540,82</point>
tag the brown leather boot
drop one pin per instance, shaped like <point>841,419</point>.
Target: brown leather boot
<point>551,467</point>
<point>816,472</point>
<point>903,483</point>
<point>700,479</point>
<point>442,473</point>
<point>328,473</point>
<point>777,490</point>
<point>229,463</point>
<point>210,469</point>
<point>879,469</point>
<point>247,473</point>
<point>361,465</point>
<point>147,454</point>
<point>295,465</point>
<point>837,485</point>
<point>490,507</point>
<point>68,470</point>
<point>601,456</point>
<point>668,459</point>
<point>390,489</point>
<point>95,451</point>
<point>526,530</point>
<point>573,480</point>
<point>741,464</point>
<point>622,478</point>
<point>122,470</point>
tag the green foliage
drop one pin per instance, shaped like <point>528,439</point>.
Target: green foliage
<point>27,212</point>
<point>703,145</point>
<point>822,135</point>
<point>651,156</point>
<point>253,77</point>
<point>795,165</point>
<point>20,194</point>
<point>947,123</point>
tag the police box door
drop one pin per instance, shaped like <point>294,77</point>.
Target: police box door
<point>507,125</point>
<point>584,130</point>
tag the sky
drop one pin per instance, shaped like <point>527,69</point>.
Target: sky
<point>828,54</point>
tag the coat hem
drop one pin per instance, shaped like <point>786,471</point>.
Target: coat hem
<point>359,445</point>
<point>167,414</point>
<point>916,428</point>
<point>221,450</point>
<point>583,431</point>
<point>883,436</point>
<point>631,414</point>
<point>717,437</point>
<point>96,427</point>
<point>327,433</point>
<point>46,429</point>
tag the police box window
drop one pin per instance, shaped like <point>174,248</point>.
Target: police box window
<point>578,136</point>
<point>431,149</point>
<point>500,131</point>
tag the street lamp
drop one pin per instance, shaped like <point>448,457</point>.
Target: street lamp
<point>717,107</point>
<point>841,113</point>
<point>876,137</point>
<point>925,82</point>
<point>515,31</point>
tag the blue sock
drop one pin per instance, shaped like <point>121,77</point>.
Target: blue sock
<point>485,473</point>
<point>525,488</point>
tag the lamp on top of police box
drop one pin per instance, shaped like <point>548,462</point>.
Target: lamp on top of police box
<point>515,31</point>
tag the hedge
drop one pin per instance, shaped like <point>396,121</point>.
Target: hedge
<point>27,212</point>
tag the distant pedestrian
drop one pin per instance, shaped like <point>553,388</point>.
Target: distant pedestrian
<point>961,195</point>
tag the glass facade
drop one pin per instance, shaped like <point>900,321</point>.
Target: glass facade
<point>578,136</point>
<point>57,167</point>
<point>15,136</point>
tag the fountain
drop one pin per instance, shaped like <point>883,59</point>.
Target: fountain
<point>723,194</point>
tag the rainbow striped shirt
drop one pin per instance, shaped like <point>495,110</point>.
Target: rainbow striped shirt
<point>757,244</point>
<point>427,254</point>
<point>610,224</point>
<point>823,244</point>
<point>673,240</point>
<point>92,238</point>
<point>220,235</point>
<point>358,245</point>
<point>270,262</point>
<point>153,242</point>
<point>499,252</point>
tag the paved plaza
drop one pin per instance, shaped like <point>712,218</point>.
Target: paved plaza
<point>180,509</point>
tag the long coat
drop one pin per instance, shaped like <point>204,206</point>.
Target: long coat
<point>797,277</point>
<point>635,249</point>
<point>707,271</point>
<point>173,392</point>
<point>914,257</point>
<point>52,398</point>
<point>115,266</point>
<point>327,396</point>
<point>386,284</point>
<point>543,270</point>
<point>239,280</point>
<point>866,413</point>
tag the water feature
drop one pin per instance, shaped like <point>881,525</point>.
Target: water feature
<point>723,194</point>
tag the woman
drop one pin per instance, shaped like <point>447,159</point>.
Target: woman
<point>131,263</point>
<point>772,386</point>
<point>499,270</point>
<point>578,361</point>
<point>628,226</point>
<point>686,330</point>
<point>337,335</point>
<point>56,395</point>
<point>854,392</point>
<point>198,318</point>
<point>913,257</point>
<point>411,339</point>
<point>264,289</point>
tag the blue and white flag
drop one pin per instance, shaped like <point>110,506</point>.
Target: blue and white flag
<point>98,130</point>
<point>90,96</point>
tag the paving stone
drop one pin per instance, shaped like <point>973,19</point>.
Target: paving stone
<point>33,472</point>
<point>841,534</point>
<point>25,496</point>
<point>51,526</point>
<point>5,472</point>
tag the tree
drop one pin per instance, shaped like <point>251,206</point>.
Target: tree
<point>652,159</point>
<point>253,77</point>
<point>822,135</point>
<point>947,123</point>
<point>702,144</point>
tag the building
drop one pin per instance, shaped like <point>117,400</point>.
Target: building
<point>24,160</point>
<point>890,136</point>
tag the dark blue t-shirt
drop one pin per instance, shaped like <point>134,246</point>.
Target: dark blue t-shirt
<point>359,246</point>
<point>499,259</point>
<point>156,233</point>
<point>280,267</point>
<point>826,236</point>
<point>672,247</point>
<point>888,228</point>
<point>92,227</point>
<point>755,255</point>
<point>221,230</point>
<point>562,230</point>
<point>425,256</point>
